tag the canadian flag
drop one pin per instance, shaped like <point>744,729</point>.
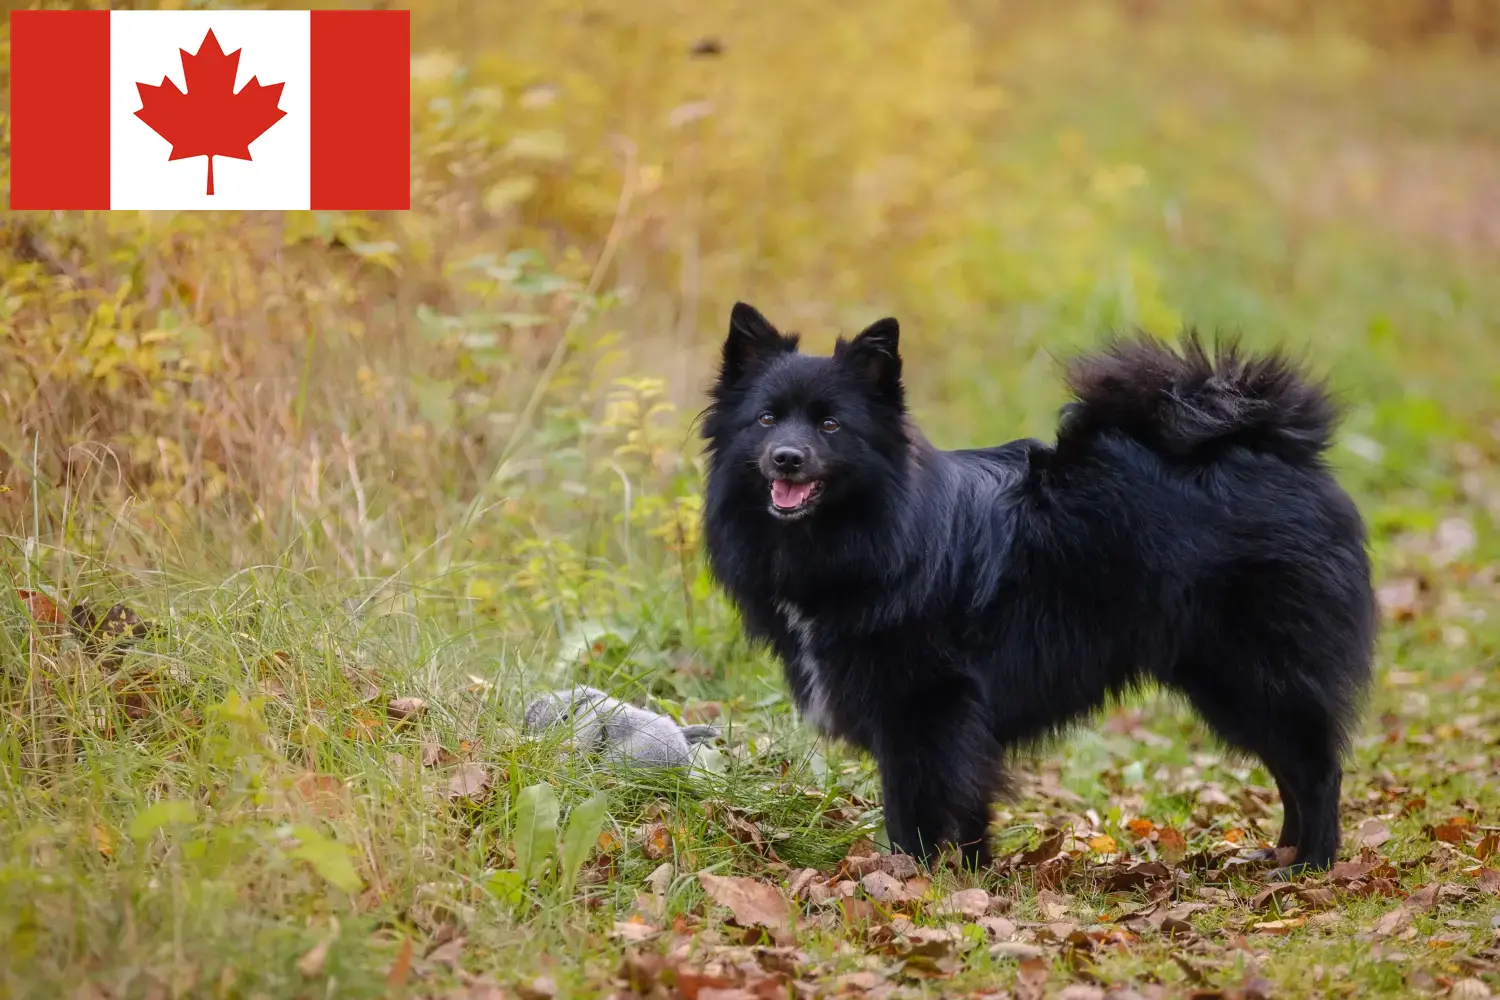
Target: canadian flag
<point>245,109</point>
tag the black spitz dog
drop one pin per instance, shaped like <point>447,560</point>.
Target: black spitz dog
<point>937,608</point>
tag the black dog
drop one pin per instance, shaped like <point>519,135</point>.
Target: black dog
<point>937,608</point>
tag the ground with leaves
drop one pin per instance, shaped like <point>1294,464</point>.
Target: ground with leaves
<point>298,512</point>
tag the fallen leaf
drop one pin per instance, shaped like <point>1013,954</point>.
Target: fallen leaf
<point>434,754</point>
<point>999,928</point>
<point>540,988</point>
<point>1103,844</point>
<point>44,611</point>
<point>1279,926</point>
<point>754,904</point>
<point>1487,847</point>
<point>449,953</point>
<point>1172,844</point>
<point>1135,876</point>
<point>1141,828</point>
<point>633,930</point>
<point>899,866</point>
<point>918,886</point>
<point>797,886</point>
<point>402,709</point>
<point>883,887</point>
<point>660,879</point>
<point>324,794</point>
<point>1469,989</point>
<point>1275,892</point>
<point>656,841</point>
<point>1371,833</point>
<point>470,782</point>
<point>1489,881</point>
<point>968,903</point>
<point>401,968</point>
<point>311,964</point>
<point>1050,905</point>
<point>1031,981</point>
<point>1052,839</point>
<point>1081,991</point>
<point>861,982</point>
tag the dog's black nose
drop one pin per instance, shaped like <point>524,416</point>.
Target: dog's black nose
<point>788,459</point>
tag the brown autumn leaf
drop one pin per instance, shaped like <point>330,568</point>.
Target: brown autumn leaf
<point>403,709</point>
<point>656,841</point>
<point>540,988</point>
<point>1172,844</point>
<point>883,887</point>
<point>311,963</point>
<point>1279,926</point>
<point>1489,880</point>
<point>967,903</point>
<point>1031,980</point>
<point>449,953</point>
<point>1052,839</point>
<point>401,968</point>
<point>1273,893</point>
<point>918,886</point>
<point>1402,917</point>
<point>800,882</point>
<point>44,611</point>
<point>1135,876</point>
<point>470,782</point>
<point>633,930</point>
<point>324,794</point>
<point>754,904</point>
<point>1487,847</point>
<point>1453,831</point>
<point>899,866</point>
<point>998,928</point>
<point>1371,833</point>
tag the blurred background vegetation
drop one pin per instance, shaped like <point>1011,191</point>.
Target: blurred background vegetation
<point>476,418</point>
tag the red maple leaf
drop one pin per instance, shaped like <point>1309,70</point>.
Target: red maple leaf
<point>210,119</point>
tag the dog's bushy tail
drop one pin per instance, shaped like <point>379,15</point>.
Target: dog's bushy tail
<point>1193,402</point>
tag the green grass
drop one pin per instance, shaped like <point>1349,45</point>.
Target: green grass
<point>1154,176</point>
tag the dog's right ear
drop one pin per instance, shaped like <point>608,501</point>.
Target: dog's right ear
<point>752,340</point>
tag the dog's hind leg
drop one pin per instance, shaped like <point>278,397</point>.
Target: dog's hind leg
<point>1298,739</point>
<point>1290,815</point>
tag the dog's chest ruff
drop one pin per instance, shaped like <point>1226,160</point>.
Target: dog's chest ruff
<point>809,685</point>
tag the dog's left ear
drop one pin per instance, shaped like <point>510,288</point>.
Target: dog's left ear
<point>875,354</point>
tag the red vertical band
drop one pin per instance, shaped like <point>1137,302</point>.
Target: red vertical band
<point>361,109</point>
<point>59,109</point>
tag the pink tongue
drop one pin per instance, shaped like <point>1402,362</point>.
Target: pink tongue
<point>789,495</point>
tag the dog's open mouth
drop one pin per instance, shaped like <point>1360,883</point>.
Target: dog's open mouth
<point>791,499</point>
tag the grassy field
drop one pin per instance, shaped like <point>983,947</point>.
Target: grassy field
<point>332,464</point>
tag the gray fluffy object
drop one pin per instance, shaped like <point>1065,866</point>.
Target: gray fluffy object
<point>617,730</point>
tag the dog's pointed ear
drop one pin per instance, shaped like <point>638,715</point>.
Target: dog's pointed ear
<point>876,355</point>
<point>752,339</point>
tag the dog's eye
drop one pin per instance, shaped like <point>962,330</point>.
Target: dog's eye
<point>830,425</point>
<point>767,419</point>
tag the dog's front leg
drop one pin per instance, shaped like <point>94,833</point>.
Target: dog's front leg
<point>939,772</point>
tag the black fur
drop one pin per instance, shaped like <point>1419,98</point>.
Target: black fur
<point>938,608</point>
